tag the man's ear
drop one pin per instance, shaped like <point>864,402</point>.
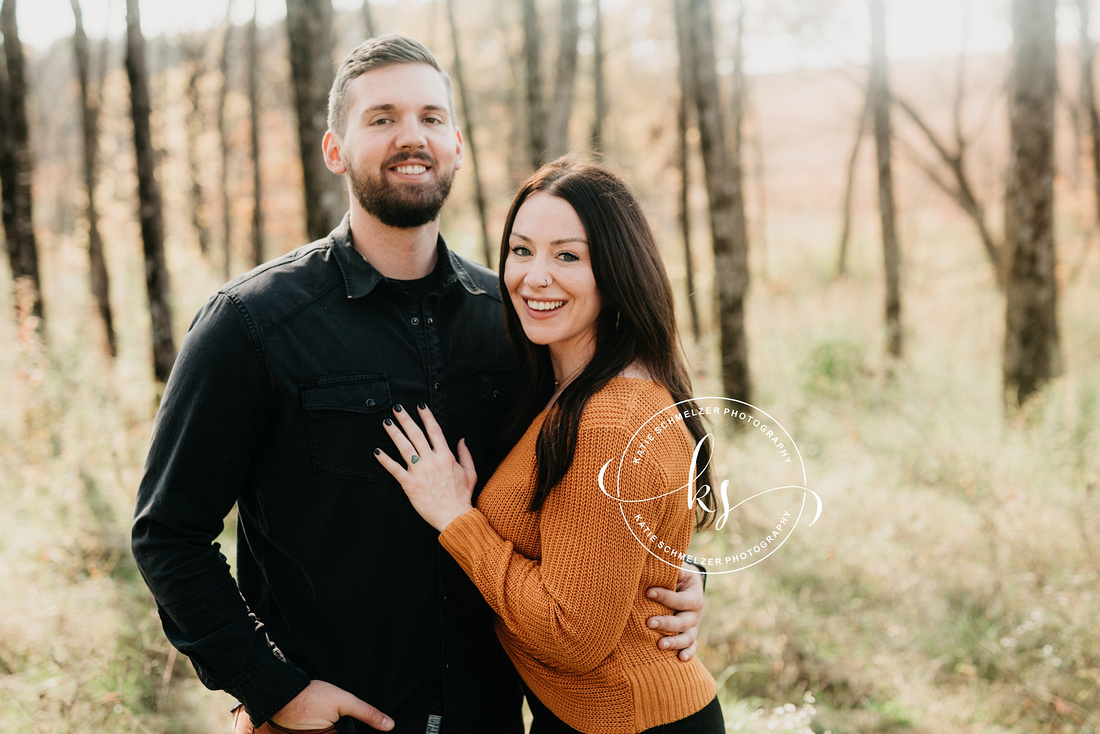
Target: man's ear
<point>458,149</point>
<point>330,146</point>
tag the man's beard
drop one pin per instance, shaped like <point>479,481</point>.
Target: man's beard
<point>401,206</point>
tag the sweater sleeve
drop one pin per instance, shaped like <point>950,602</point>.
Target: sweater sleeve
<point>570,608</point>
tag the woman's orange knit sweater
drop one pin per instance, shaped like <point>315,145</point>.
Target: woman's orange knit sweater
<point>568,583</point>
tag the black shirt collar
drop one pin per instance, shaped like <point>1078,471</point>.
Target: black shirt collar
<point>360,277</point>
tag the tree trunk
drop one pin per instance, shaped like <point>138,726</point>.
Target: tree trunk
<point>536,114</point>
<point>368,20</point>
<point>470,138</point>
<point>1087,102</point>
<point>193,51</point>
<point>879,90</point>
<point>1031,353</point>
<point>727,208</point>
<point>16,173</point>
<point>254,139</point>
<point>600,105</point>
<point>150,208</point>
<point>223,142</point>
<point>683,48</point>
<point>565,78</point>
<point>309,26</point>
<point>89,116</point>
<point>849,187</point>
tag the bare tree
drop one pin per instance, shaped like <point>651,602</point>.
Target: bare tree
<point>470,138</point>
<point>223,141</point>
<point>738,106</point>
<point>548,124</point>
<point>727,207</point>
<point>599,92</point>
<point>254,139</point>
<point>309,26</point>
<point>16,171</point>
<point>958,186</point>
<point>1087,95</point>
<point>565,78</point>
<point>849,187</point>
<point>1031,352</point>
<point>535,106</point>
<point>368,20</point>
<point>686,99</point>
<point>193,52</point>
<point>90,104</point>
<point>879,92</point>
<point>150,208</point>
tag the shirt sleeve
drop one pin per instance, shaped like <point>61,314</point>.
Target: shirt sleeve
<point>571,607</point>
<point>206,435</point>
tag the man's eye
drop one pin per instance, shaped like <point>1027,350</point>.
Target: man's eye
<point>434,120</point>
<point>381,121</point>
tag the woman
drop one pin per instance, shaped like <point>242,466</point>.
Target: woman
<point>589,307</point>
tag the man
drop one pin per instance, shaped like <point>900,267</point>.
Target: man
<point>275,402</point>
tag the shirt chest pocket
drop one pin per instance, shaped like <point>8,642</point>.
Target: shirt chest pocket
<point>344,417</point>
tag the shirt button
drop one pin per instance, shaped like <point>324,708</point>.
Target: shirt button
<point>370,402</point>
<point>447,666</point>
<point>437,386</point>
<point>415,320</point>
<point>430,321</point>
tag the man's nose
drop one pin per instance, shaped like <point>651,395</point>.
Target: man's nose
<point>410,136</point>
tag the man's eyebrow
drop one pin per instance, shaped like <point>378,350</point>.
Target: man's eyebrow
<point>387,107</point>
<point>379,108</point>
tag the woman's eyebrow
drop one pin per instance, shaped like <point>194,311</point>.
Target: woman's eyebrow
<point>563,241</point>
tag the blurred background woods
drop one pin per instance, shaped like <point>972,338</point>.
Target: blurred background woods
<point>893,252</point>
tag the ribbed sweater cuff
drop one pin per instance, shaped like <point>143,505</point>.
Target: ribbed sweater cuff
<point>468,538</point>
<point>668,691</point>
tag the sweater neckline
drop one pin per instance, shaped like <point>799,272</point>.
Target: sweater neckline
<point>616,377</point>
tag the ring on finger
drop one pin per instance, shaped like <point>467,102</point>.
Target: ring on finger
<point>414,459</point>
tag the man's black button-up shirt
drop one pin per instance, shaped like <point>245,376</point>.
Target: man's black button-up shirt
<point>276,403</point>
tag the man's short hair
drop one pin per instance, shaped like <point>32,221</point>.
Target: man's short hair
<point>375,53</point>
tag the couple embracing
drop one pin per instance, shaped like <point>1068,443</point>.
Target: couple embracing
<point>412,443</point>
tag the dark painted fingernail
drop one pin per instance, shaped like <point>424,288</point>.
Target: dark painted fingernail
<point>388,422</point>
<point>397,408</point>
<point>422,406</point>
<point>378,452</point>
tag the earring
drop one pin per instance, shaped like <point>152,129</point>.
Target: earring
<point>617,314</point>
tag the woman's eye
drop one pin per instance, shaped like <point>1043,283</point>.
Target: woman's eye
<point>520,250</point>
<point>569,257</point>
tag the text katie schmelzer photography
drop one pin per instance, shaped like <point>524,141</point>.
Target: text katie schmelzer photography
<point>755,469</point>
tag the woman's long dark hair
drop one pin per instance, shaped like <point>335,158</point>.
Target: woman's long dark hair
<point>637,321</point>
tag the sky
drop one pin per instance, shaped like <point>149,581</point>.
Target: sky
<point>915,28</point>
